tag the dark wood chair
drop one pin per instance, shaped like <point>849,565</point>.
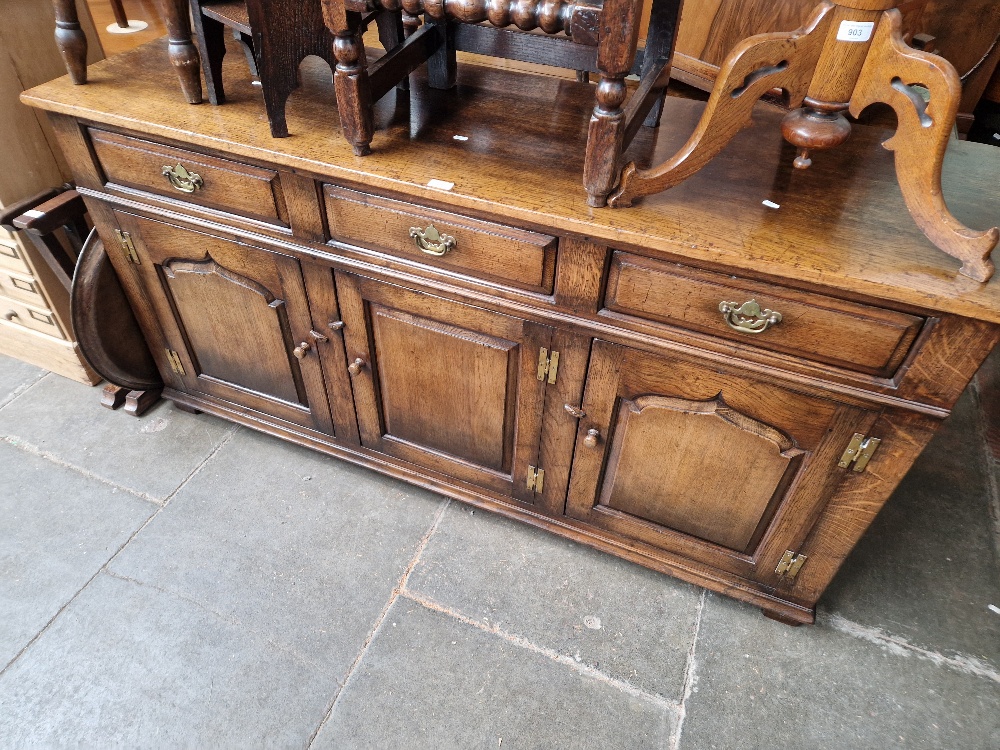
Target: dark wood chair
<point>589,36</point>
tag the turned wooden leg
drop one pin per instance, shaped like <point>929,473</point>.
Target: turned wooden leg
<point>604,140</point>
<point>138,403</point>
<point>70,40</point>
<point>354,97</point>
<point>211,37</point>
<point>410,24</point>
<point>113,396</point>
<point>183,53</point>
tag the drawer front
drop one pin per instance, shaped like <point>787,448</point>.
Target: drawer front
<point>22,287</point>
<point>493,252</point>
<point>823,329</point>
<point>10,257</point>
<point>214,183</point>
<point>20,314</point>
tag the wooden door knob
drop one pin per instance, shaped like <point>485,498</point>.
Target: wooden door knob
<point>356,366</point>
<point>10,315</point>
<point>592,437</point>
<point>301,350</point>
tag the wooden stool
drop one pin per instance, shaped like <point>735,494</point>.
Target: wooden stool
<point>599,37</point>
<point>849,55</point>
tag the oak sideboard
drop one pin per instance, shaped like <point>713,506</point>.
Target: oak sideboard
<point>724,383</point>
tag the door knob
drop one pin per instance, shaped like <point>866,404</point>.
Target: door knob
<point>356,366</point>
<point>301,350</point>
<point>10,315</point>
<point>592,437</point>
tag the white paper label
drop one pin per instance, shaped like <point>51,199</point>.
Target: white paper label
<point>440,184</point>
<point>771,204</point>
<point>855,31</point>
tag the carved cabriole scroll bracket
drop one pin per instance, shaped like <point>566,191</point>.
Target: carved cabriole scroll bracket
<point>757,65</point>
<point>921,138</point>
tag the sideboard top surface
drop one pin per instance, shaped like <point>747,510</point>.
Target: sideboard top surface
<point>840,225</point>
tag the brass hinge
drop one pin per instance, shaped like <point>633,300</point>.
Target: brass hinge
<point>536,478</point>
<point>548,364</point>
<point>125,240</point>
<point>859,452</point>
<point>789,564</point>
<point>175,362</point>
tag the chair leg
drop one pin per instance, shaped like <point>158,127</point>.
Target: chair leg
<point>210,36</point>
<point>604,140</point>
<point>392,33</point>
<point>353,89</point>
<point>664,19</point>
<point>442,66</point>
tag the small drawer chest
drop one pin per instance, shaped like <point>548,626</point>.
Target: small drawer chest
<point>724,383</point>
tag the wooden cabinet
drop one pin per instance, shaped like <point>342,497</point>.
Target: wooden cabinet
<point>697,384</point>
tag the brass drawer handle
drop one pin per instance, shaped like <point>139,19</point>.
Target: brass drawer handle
<point>748,317</point>
<point>180,178</point>
<point>431,241</point>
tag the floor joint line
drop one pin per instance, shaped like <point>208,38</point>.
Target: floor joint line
<point>393,596</point>
<point>522,642</point>
<point>690,676</point>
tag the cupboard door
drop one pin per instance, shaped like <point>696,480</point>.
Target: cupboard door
<point>235,320</point>
<point>445,385</point>
<point>719,466</point>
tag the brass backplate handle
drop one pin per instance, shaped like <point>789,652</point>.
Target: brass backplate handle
<point>431,241</point>
<point>748,317</point>
<point>182,179</point>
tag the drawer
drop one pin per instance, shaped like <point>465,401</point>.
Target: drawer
<point>823,329</point>
<point>21,286</point>
<point>214,183</point>
<point>488,251</point>
<point>20,314</point>
<point>10,257</point>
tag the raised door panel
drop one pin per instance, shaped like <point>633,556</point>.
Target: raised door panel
<point>448,386</point>
<point>717,466</point>
<point>237,318</point>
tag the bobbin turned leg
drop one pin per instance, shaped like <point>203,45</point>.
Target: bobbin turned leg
<point>183,53</point>
<point>70,40</point>
<point>615,55</point>
<point>354,98</point>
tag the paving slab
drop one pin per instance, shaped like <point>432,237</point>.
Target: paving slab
<point>430,681</point>
<point>15,375</point>
<point>629,622</point>
<point>127,665</point>
<point>300,548</point>
<point>57,528</point>
<point>152,454</point>
<point>927,569</point>
<point>761,684</point>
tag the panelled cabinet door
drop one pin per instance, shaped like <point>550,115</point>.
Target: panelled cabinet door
<point>721,467</point>
<point>445,385</point>
<point>235,321</point>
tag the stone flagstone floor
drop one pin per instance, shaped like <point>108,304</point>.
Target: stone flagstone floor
<point>176,581</point>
